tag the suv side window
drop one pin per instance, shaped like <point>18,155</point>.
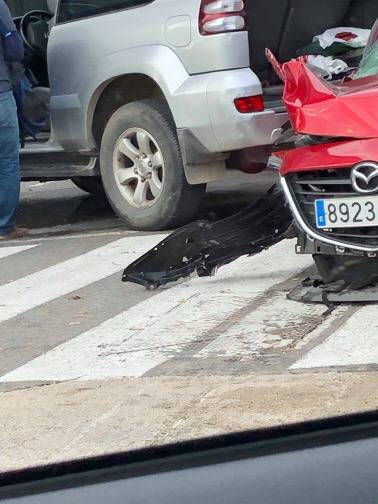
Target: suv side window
<point>21,7</point>
<point>70,10</point>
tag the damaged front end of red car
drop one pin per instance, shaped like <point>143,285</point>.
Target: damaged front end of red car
<point>332,185</point>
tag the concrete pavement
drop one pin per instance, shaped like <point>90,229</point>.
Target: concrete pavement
<point>73,420</point>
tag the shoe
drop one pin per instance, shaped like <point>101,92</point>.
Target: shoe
<point>16,232</point>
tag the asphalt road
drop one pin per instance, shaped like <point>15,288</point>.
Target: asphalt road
<point>53,208</point>
<point>90,365</point>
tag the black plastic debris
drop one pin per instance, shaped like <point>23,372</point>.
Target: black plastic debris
<point>203,246</point>
<point>339,279</point>
<point>316,292</point>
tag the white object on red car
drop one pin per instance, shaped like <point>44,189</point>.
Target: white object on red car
<point>327,66</point>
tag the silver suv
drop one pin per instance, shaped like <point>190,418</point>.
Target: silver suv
<point>142,99</point>
<point>148,98</point>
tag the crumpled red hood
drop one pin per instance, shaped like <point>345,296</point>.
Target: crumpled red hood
<point>320,108</point>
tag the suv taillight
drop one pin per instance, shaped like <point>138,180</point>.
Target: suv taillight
<point>248,104</point>
<point>222,16</point>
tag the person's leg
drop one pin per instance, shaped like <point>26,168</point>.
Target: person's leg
<point>9,162</point>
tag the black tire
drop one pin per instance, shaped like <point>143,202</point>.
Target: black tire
<point>178,201</point>
<point>91,185</point>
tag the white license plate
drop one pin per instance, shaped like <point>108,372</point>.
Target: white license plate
<point>347,212</point>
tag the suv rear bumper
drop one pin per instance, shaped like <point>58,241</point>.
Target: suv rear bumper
<point>204,106</point>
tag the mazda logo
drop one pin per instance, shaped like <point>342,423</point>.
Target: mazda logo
<point>365,178</point>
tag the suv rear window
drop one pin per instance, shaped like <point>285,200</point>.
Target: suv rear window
<point>70,10</point>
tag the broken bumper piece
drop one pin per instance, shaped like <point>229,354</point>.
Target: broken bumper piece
<point>204,246</point>
<point>340,279</point>
<point>312,290</point>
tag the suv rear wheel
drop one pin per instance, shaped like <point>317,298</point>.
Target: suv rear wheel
<point>142,169</point>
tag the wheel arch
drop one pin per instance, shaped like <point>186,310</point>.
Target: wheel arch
<point>114,93</point>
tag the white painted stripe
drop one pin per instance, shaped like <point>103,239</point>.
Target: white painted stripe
<point>43,286</point>
<point>9,251</point>
<point>149,334</point>
<point>354,343</point>
<point>328,325</point>
<point>273,327</point>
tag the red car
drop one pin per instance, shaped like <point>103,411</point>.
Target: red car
<point>332,186</point>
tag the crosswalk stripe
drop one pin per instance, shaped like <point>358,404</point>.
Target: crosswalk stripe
<point>9,251</point>
<point>275,326</point>
<point>55,281</point>
<point>354,343</point>
<point>154,331</point>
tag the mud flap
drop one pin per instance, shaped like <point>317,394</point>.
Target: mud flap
<point>204,246</point>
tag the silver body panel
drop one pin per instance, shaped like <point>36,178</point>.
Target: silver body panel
<point>199,76</point>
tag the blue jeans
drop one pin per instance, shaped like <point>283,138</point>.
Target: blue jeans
<point>9,162</point>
